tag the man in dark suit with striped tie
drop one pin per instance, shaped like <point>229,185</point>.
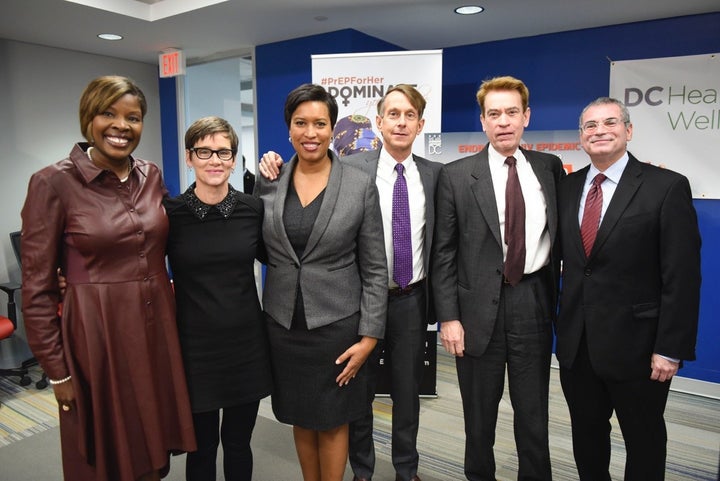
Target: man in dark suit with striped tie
<point>630,295</point>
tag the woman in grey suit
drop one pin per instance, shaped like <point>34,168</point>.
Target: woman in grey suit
<point>325,294</point>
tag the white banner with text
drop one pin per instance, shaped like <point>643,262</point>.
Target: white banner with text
<point>449,146</point>
<point>359,80</point>
<point>675,112</point>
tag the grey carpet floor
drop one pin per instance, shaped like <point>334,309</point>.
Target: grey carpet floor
<point>37,458</point>
<point>693,449</point>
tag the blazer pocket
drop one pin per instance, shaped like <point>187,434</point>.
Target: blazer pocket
<point>637,219</point>
<point>344,266</point>
<point>646,310</point>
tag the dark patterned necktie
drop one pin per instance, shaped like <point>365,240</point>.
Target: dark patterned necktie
<point>402,243</point>
<point>591,214</point>
<point>514,225</point>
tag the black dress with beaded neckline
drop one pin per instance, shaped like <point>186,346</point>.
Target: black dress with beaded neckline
<point>211,250</point>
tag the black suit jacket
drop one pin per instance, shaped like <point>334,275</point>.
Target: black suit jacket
<point>638,291</point>
<point>248,182</point>
<point>467,251</point>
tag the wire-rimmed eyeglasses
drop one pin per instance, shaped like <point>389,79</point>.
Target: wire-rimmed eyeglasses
<point>591,125</point>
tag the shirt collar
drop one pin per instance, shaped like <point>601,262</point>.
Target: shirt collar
<point>387,163</point>
<point>200,209</point>
<point>613,173</point>
<point>87,167</point>
<point>497,159</point>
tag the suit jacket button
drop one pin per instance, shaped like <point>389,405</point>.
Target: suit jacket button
<point>495,301</point>
<point>588,272</point>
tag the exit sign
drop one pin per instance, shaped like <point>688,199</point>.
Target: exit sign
<point>172,63</point>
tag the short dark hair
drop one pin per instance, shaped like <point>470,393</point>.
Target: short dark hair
<point>310,93</point>
<point>100,94</point>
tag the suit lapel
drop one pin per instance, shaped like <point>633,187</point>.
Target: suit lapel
<point>575,185</point>
<point>286,175</point>
<point>627,187</point>
<point>332,191</point>
<point>482,189</point>
<point>547,182</point>
<point>428,183</point>
<point>372,160</point>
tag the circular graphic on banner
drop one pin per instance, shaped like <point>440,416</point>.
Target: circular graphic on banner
<point>354,134</point>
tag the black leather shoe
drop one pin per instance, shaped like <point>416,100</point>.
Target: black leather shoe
<point>355,478</point>
<point>414,478</point>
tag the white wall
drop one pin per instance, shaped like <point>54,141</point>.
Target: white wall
<point>40,88</point>
<point>216,88</point>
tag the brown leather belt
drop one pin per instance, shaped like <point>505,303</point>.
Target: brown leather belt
<point>401,291</point>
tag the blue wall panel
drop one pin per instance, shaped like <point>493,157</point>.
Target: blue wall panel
<point>564,72</point>
<point>169,129</point>
<point>282,66</point>
<point>707,366</point>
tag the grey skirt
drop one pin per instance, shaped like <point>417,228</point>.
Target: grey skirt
<point>305,392</point>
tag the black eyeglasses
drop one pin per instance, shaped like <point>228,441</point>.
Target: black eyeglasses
<point>204,153</point>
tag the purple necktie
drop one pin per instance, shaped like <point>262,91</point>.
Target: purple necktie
<point>514,225</point>
<point>402,243</point>
<point>591,214</point>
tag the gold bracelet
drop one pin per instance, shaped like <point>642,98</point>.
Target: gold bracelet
<point>59,381</point>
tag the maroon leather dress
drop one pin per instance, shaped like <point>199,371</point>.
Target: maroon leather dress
<point>117,335</point>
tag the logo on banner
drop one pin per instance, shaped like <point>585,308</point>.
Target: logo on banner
<point>434,146</point>
<point>692,100</point>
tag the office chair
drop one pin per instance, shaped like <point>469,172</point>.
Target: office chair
<point>8,325</point>
<point>7,329</point>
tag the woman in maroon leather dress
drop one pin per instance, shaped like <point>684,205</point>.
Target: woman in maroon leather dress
<point>113,358</point>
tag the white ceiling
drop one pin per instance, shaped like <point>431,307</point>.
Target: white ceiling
<point>235,26</point>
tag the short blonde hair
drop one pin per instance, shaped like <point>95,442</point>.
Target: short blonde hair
<point>502,83</point>
<point>415,98</point>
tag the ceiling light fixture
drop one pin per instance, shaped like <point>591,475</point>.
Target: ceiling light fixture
<point>110,36</point>
<point>469,10</point>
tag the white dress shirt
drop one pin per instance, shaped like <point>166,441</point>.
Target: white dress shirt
<point>613,174</point>
<point>537,237</point>
<point>385,181</point>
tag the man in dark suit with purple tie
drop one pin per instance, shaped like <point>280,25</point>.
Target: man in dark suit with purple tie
<point>630,295</point>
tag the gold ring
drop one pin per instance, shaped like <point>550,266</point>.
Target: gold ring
<point>65,407</point>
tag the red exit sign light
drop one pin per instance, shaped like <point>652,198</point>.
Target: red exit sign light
<point>172,63</point>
